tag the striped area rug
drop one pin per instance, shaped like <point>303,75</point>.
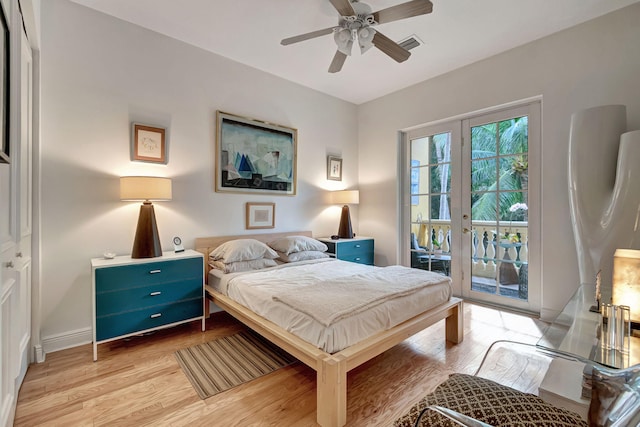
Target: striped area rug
<point>226,362</point>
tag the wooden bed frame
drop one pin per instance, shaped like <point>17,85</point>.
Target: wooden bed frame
<point>331,369</point>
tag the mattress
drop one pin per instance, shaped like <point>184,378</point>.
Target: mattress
<point>255,290</point>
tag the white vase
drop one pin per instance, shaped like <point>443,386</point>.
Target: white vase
<point>604,189</point>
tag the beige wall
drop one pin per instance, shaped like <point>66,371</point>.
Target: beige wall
<point>99,74</point>
<point>595,63</point>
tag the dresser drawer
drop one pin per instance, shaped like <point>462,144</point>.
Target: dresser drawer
<point>138,275</point>
<point>360,250</point>
<point>147,318</point>
<point>354,247</point>
<point>147,296</point>
<point>364,258</point>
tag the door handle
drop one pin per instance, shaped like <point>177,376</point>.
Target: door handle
<point>465,230</point>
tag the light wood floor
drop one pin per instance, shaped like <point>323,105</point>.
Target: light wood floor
<point>138,382</point>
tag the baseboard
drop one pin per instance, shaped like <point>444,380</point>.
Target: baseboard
<point>548,315</point>
<point>39,353</point>
<point>67,340</point>
<point>72,339</point>
<point>7,411</point>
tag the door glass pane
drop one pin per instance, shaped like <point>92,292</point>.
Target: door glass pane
<point>483,141</point>
<point>483,174</point>
<point>418,208</point>
<point>514,135</point>
<point>499,208</point>
<point>431,203</point>
<point>440,178</point>
<point>484,207</point>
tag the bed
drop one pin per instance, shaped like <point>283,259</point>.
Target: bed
<point>330,360</point>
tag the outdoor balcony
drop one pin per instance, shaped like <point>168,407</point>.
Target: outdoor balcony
<point>499,263</point>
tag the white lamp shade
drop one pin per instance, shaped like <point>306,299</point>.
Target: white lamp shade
<point>145,188</point>
<point>345,197</point>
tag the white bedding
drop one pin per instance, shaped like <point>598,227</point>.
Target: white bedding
<point>256,289</point>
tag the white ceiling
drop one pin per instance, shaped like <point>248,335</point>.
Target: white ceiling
<point>457,33</point>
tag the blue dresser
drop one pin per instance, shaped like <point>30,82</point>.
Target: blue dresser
<point>358,249</point>
<point>132,296</point>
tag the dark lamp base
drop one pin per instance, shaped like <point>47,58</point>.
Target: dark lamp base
<point>345,231</point>
<point>147,241</point>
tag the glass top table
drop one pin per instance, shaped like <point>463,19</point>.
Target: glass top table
<point>575,332</point>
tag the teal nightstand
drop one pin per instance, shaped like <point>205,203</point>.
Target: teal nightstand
<point>358,249</point>
<point>132,296</point>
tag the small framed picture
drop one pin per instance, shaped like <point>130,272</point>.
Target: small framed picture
<point>334,168</point>
<point>148,144</point>
<point>260,215</point>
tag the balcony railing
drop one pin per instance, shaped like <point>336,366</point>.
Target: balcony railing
<point>488,249</point>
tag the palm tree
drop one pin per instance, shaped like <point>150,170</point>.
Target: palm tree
<point>442,152</point>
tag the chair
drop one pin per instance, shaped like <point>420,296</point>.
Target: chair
<point>475,400</point>
<point>416,260</point>
<point>420,258</point>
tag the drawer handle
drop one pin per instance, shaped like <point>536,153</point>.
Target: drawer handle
<point>155,294</point>
<point>155,271</point>
<point>155,316</point>
<point>357,246</point>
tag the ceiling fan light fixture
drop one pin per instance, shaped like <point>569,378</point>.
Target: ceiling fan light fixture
<point>355,21</point>
<point>365,38</point>
<point>344,40</point>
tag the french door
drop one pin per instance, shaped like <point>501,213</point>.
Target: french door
<point>470,205</point>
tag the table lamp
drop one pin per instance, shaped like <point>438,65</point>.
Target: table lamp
<point>345,197</point>
<point>146,244</point>
<point>626,281</point>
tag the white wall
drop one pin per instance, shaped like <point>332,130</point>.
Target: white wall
<point>100,74</point>
<point>596,63</point>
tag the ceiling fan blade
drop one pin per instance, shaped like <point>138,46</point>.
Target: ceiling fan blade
<point>338,62</point>
<point>307,36</point>
<point>404,10</point>
<point>343,7</point>
<point>391,48</point>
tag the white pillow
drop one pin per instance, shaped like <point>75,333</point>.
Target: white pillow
<point>287,245</point>
<point>301,256</point>
<point>242,250</point>
<point>238,266</point>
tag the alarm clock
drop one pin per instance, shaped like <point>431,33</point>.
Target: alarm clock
<point>177,244</point>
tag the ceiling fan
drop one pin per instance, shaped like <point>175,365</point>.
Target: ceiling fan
<point>356,22</point>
